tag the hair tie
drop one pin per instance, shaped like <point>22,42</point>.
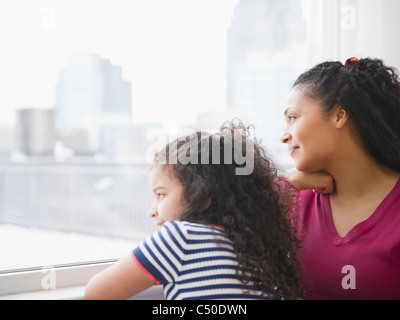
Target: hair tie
<point>351,61</point>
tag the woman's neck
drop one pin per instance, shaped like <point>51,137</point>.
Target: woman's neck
<point>361,175</point>
<point>361,184</point>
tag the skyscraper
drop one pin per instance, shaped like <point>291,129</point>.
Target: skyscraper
<point>266,51</point>
<point>89,87</point>
<point>35,134</point>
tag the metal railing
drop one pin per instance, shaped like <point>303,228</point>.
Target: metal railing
<point>90,198</point>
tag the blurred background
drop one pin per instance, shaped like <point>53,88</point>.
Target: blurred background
<point>86,87</point>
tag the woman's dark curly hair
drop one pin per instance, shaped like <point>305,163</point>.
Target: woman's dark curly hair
<point>253,208</point>
<point>369,91</point>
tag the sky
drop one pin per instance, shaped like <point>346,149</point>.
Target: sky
<point>173,52</point>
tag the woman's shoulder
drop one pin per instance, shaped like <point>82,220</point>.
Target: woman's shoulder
<point>308,201</point>
<point>306,194</point>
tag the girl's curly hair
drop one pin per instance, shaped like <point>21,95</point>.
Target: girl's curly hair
<point>254,209</point>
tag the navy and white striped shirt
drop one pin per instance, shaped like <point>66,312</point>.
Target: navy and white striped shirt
<point>191,261</point>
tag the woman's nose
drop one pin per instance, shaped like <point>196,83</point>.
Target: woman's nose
<point>286,138</point>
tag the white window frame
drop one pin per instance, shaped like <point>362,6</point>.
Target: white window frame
<point>69,283</point>
<point>34,280</point>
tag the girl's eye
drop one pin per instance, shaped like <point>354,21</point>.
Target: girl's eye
<point>160,195</point>
<point>291,117</point>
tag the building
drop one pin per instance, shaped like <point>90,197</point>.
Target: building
<point>35,132</point>
<point>266,51</point>
<point>90,90</point>
<point>128,141</point>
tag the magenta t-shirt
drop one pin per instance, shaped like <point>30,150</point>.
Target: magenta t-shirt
<point>364,264</point>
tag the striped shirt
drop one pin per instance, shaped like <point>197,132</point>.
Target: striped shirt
<point>191,261</point>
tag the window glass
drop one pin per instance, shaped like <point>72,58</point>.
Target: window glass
<point>89,86</point>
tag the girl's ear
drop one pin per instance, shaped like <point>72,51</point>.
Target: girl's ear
<point>208,203</point>
<point>340,117</point>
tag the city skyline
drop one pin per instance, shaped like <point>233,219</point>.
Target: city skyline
<point>262,37</point>
<point>268,20</point>
<point>158,47</point>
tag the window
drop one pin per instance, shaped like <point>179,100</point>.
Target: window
<point>89,86</point>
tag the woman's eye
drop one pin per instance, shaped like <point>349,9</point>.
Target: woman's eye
<point>160,195</point>
<point>291,117</point>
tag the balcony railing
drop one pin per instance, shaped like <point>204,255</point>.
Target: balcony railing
<point>97,199</point>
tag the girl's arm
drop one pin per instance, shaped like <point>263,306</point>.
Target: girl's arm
<point>120,281</point>
<point>319,182</point>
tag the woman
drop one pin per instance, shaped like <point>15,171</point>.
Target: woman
<point>345,120</point>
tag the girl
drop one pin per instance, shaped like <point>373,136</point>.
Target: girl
<point>345,120</point>
<point>222,235</point>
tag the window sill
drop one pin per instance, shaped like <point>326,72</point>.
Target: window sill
<point>58,283</point>
<point>77,293</point>
<point>72,293</point>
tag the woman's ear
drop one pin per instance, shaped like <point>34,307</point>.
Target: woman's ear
<point>340,117</point>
